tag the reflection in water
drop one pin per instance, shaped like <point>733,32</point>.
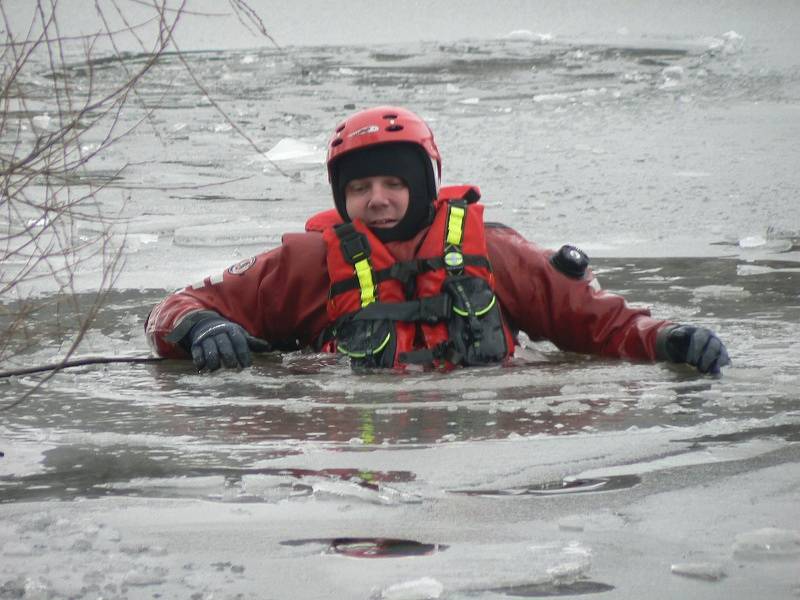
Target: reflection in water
<point>371,547</point>
<point>547,590</point>
<point>115,423</point>
<point>558,488</point>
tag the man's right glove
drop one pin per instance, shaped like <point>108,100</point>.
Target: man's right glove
<point>213,338</point>
<point>697,346</point>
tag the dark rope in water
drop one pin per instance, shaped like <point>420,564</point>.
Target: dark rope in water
<point>80,362</point>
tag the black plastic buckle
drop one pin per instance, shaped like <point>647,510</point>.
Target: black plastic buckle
<point>354,244</point>
<point>404,271</point>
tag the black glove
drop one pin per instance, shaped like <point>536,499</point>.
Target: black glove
<point>697,346</point>
<point>215,338</point>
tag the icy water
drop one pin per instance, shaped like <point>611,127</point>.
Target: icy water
<point>673,162</point>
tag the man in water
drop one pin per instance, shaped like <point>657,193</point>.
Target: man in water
<point>403,272</point>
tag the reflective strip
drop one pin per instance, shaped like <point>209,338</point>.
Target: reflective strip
<point>365,281</point>
<point>455,225</point>
<point>380,347</point>
<point>478,313</point>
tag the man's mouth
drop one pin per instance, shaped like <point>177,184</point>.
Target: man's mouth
<point>383,223</point>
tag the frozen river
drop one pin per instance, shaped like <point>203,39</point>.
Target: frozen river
<point>671,159</point>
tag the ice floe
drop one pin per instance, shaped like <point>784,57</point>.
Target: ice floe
<point>295,151</point>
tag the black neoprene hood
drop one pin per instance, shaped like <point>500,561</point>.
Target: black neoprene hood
<point>407,161</point>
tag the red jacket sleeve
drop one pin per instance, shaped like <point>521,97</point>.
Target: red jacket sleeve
<point>279,296</point>
<point>574,314</point>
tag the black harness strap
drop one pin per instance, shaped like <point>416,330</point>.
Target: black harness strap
<point>429,310</point>
<point>427,356</point>
<point>404,271</point>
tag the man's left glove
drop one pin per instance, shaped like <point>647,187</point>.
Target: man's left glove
<point>214,339</point>
<point>697,346</point>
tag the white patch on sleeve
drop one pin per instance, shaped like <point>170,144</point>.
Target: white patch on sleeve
<point>215,279</point>
<point>198,285</point>
<point>595,285</point>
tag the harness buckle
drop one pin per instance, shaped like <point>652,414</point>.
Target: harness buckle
<point>404,271</point>
<point>453,259</point>
<point>355,246</point>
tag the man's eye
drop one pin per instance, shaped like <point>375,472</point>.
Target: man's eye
<point>396,184</point>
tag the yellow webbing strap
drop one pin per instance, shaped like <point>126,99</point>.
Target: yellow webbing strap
<point>365,281</point>
<point>455,225</point>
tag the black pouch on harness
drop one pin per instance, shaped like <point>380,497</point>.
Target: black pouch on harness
<point>476,325</point>
<point>370,343</point>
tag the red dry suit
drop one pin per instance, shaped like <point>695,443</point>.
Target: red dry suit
<point>281,296</point>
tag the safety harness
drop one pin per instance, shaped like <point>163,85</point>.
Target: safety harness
<point>437,310</point>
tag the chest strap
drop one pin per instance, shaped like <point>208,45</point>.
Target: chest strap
<point>404,271</point>
<point>431,309</point>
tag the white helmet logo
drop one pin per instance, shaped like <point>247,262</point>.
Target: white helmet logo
<point>364,130</point>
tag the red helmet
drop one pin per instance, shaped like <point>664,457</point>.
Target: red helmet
<point>382,125</point>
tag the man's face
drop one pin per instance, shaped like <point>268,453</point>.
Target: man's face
<point>380,201</point>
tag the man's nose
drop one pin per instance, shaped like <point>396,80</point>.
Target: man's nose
<point>378,195</point>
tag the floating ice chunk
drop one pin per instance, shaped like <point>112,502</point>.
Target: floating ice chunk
<point>292,150</point>
<point>346,71</point>
<point>554,97</point>
<point>42,122</point>
<point>222,127</point>
<point>720,291</point>
<point>248,59</point>
<point>416,589</point>
<point>452,88</point>
<point>759,242</point>
<point>747,270</point>
<point>470,101</point>
<point>767,543</point>
<point>526,35</point>
<point>706,571</point>
<point>134,243</point>
<point>672,77</point>
<point>520,35</point>
<point>572,523</point>
<point>753,241</point>
<point>479,395</point>
<point>567,563</point>
<point>729,42</point>
<point>347,490</point>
